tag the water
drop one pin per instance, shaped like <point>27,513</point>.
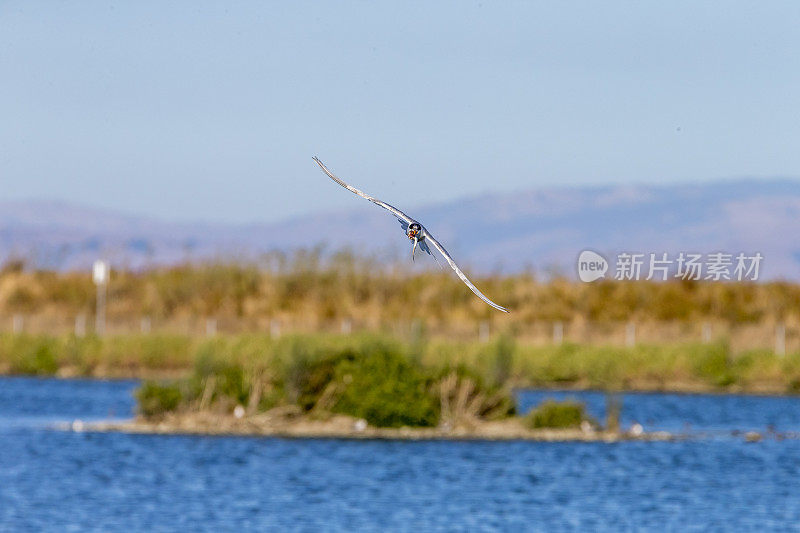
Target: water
<point>709,414</point>
<point>61,481</point>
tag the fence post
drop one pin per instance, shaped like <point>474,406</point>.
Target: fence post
<point>17,323</point>
<point>211,327</point>
<point>630,334</point>
<point>558,333</point>
<point>80,325</point>
<point>416,330</point>
<point>483,331</point>
<point>347,326</point>
<point>780,339</point>
<point>274,328</point>
<point>706,333</point>
<point>145,324</point>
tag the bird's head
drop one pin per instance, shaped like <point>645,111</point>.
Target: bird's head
<point>413,230</point>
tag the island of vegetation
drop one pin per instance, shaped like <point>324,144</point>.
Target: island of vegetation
<point>366,389</point>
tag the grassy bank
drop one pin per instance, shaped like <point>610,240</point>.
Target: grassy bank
<point>497,362</point>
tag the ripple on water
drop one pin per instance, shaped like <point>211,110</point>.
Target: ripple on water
<point>57,481</point>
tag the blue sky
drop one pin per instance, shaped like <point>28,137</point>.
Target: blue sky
<point>192,110</point>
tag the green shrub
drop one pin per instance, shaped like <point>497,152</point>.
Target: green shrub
<point>713,364</point>
<point>157,399</point>
<point>34,356</point>
<point>553,414</point>
<point>307,379</point>
<point>381,386</point>
<point>502,360</point>
<point>229,376</point>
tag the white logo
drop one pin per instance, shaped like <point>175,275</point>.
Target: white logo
<point>661,266</point>
<point>591,266</point>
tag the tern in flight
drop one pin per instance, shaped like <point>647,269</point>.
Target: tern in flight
<point>415,232</point>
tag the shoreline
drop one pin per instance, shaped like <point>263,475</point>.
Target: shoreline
<point>345,427</point>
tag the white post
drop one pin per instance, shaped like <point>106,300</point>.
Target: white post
<point>483,331</point>
<point>145,325</point>
<point>100,276</point>
<point>416,329</point>
<point>100,317</point>
<point>275,328</point>
<point>80,325</point>
<point>211,327</point>
<point>347,326</point>
<point>17,323</point>
<point>706,333</point>
<point>558,333</point>
<point>780,339</point>
<point>630,334</point>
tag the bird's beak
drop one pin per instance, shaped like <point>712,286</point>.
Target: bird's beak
<point>414,249</point>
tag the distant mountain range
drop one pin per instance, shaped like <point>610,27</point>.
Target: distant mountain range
<point>541,229</point>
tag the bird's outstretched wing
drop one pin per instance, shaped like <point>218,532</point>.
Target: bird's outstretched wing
<point>430,238</point>
<point>404,219</point>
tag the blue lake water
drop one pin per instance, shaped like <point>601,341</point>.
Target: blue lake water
<point>62,481</point>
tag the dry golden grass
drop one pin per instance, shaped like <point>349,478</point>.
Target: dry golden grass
<point>304,293</point>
